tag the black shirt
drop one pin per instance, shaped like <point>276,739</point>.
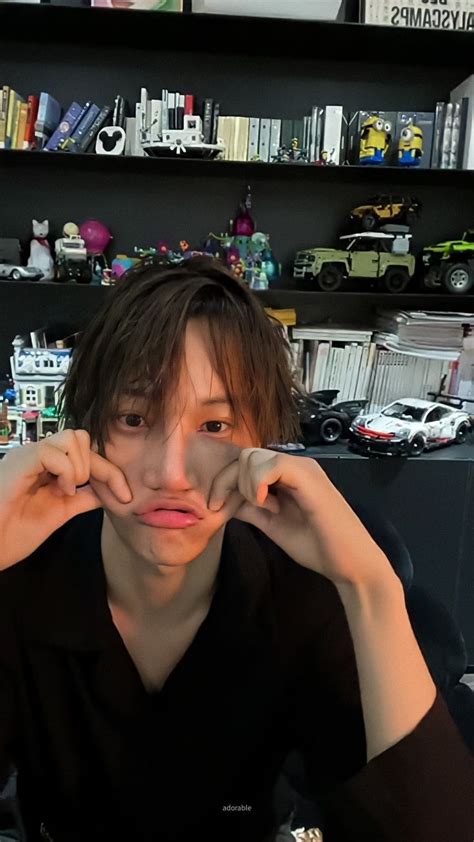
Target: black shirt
<point>271,668</point>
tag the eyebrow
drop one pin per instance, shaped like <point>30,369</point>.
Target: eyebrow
<point>218,399</point>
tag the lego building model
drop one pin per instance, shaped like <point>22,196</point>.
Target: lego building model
<point>29,410</point>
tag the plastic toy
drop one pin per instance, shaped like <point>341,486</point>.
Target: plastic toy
<point>187,141</point>
<point>409,426</point>
<point>375,139</point>
<point>40,251</point>
<point>381,255</point>
<point>321,421</point>
<point>121,264</point>
<point>71,257</point>
<point>410,146</point>
<point>16,272</point>
<point>246,251</point>
<point>386,208</point>
<point>294,155</point>
<point>450,264</point>
<point>96,236</point>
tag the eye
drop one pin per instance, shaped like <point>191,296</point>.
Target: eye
<point>378,125</point>
<point>130,420</point>
<point>406,134</point>
<point>388,127</point>
<point>216,424</point>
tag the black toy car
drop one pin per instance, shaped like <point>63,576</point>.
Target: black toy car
<point>323,422</point>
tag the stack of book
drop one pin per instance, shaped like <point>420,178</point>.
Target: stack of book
<point>407,355</point>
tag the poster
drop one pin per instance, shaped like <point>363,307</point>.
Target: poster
<point>419,14</point>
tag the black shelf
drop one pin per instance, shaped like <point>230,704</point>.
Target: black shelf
<point>340,450</point>
<point>181,165</point>
<point>216,33</point>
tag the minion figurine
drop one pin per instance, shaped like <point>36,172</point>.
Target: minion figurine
<point>410,146</point>
<point>375,138</point>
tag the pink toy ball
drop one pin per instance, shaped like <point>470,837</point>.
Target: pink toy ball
<point>96,236</point>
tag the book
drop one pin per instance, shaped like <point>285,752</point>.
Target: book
<point>189,104</point>
<point>286,133</point>
<point>420,14</point>
<point>88,140</point>
<point>462,133</point>
<point>156,119</point>
<point>334,333</point>
<point>446,137</point>
<point>180,105</point>
<point>321,364</point>
<point>275,137</point>
<point>298,132</point>
<point>215,121</point>
<point>73,142</point>
<point>455,136</point>
<point>29,138</point>
<point>164,107</point>
<point>14,100</point>
<point>313,152</point>
<point>437,134</point>
<point>171,111</point>
<point>254,137</point>
<point>119,112</point>
<point>49,115</point>
<point>424,120</point>
<point>72,116</point>
<point>207,120</point>
<point>20,130</point>
<point>332,134</point>
<point>4,96</point>
<point>264,140</point>
<point>240,138</point>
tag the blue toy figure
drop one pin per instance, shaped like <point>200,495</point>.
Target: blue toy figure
<point>375,138</point>
<point>410,146</point>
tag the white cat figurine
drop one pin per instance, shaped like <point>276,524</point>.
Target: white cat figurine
<point>40,250</point>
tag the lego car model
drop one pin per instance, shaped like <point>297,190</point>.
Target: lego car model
<point>450,264</point>
<point>387,208</point>
<point>374,254</point>
<point>323,422</point>
<point>20,273</point>
<point>409,426</point>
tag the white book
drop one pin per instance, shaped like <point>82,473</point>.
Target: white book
<point>138,122</point>
<point>333,333</point>
<point>264,142</point>
<point>339,375</point>
<point>307,365</point>
<point>321,364</point>
<point>156,118</point>
<point>254,138</point>
<point>145,115</point>
<point>352,395</point>
<point>313,134</point>
<point>347,370</point>
<point>165,116</point>
<point>131,136</point>
<point>275,136</point>
<point>359,393</point>
<point>366,384</point>
<point>333,132</point>
<point>376,385</point>
<point>313,355</point>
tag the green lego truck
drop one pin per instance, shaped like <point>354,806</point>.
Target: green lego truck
<point>380,255</point>
<point>450,264</point>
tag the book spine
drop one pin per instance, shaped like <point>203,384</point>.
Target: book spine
<point>15,123</point>
<point>4,96</point>
<point>264,142</point>
<point>455,136</point>
<point>254,135</point>
<point>22,120</point>
<point>171,111</point>
<point>156,117</point>
<point>180,108</point>
<point>215,121</point>
<point>333,133</point>
<point>463,133</point>
<point>73,142</point>
<point>12,100</point>
<point>437,134</point>
<point>275,137</point>
<point>65,127</point>
<point>207,120</point>
<point>446,137</point>
<point>189,104</point>
<point>313,133</point>
<point>29,140</point>
<point>100,121</point>
<point>165,124</point>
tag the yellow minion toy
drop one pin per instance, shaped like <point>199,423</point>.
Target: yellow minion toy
<point>375,138</point>
<point>410,146</point>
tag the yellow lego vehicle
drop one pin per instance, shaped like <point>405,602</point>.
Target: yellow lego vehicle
<point>385,209</point>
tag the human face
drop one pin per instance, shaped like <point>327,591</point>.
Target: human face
<point>176,460</point>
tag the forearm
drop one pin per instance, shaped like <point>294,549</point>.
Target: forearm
<point>396,687</point>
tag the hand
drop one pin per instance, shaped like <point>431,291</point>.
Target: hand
<point>292,501</point>
<point>39,490</point>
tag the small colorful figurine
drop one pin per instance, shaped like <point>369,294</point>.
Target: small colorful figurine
<point>40,250</point>
<point>375,139</point>
<point>410,146</point>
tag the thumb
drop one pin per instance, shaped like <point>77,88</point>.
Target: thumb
<point>84,500</point>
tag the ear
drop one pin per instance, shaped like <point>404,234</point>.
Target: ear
<point>35,222</point>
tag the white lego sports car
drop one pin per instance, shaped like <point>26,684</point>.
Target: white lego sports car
<point>409,426</point>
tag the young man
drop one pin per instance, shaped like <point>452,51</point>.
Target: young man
<point>181,606</point>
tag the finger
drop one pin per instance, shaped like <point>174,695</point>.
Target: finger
<point>108,474</point>
<point>231,505</point>
<point>85,500</point>
<point>72,448</point>
<point>223,485</point>
<point>58,465</point>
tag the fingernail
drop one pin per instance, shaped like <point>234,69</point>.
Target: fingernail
<point>215,505</point>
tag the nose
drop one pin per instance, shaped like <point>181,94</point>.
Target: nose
<point>168,464</point>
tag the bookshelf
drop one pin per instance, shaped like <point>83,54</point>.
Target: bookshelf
<point>251,66</point>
